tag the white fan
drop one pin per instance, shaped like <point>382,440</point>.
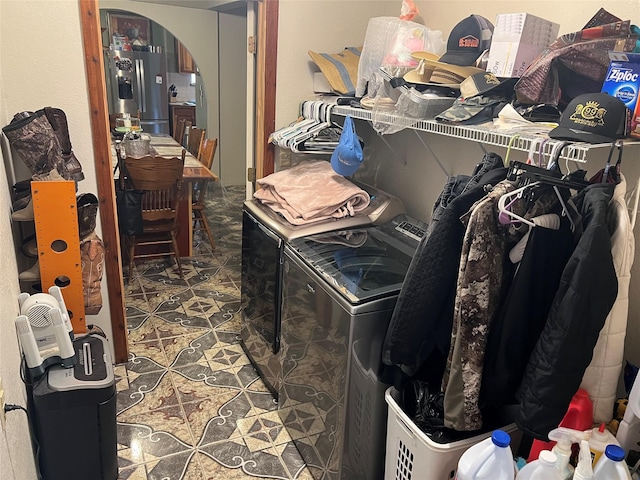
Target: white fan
<point>45,331</point>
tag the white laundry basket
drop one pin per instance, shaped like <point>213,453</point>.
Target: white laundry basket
<point>412,455</point>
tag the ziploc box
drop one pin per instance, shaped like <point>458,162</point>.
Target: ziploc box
<point>518,38</point>
<point>623,81</point>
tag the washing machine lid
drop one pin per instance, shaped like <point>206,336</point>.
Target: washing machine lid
<point>363,263</point>
<point>382,208</point>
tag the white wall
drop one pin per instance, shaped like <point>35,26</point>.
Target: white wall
<point>41,64</point>
<point>571,15</point>
<point>324,26</point>
<point>231,154</point>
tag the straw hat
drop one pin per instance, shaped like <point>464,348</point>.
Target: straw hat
<point>432,72</point>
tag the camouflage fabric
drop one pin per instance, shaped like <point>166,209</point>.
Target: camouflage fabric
<point>480,280</point>
<point>471,110</point>
<point>58,120</point>
<point>34,140</point>
<point>41,139</point>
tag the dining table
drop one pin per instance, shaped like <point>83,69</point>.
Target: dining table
<point>164,145</point>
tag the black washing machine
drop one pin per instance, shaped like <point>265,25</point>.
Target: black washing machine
<point>339,291</point>
<point>264,234</point>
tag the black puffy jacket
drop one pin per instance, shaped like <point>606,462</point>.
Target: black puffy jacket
<point>587,290</point>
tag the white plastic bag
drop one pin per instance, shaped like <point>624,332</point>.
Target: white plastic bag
<point>389,43</point>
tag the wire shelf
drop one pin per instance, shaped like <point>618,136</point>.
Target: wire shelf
<point>576,152</point>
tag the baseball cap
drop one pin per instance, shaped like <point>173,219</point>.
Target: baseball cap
<point>468,40</point>
<point>472,110</point>
<point>483,82</point>
<point>347,156</point>
<point>592,118</point>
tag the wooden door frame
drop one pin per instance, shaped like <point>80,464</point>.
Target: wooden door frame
<point>266,85</point>
<point>96,85</point>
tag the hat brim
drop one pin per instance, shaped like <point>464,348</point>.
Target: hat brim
<point>419,79</point>
<point>462,71</point>
<point>469,110</point>
<point>472,92</point>
<point>346,169</point>
<point>463,59</point>
<point>566,133</point>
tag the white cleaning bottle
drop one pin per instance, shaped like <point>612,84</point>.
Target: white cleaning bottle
<point>564,438</point>
<point>544,468</point>
<point>611,465</point>
<point>584,470</point>
<point>491,459</point>
<point>600,438</point>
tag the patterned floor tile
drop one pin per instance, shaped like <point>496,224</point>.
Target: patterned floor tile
<point>146,356</point>
<point>154,389</point>
<point>141,329</point>
<point>190,406</point>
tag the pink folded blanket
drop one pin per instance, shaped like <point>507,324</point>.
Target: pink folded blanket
<point>310,192</point>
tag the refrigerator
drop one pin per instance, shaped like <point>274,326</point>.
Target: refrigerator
<point>137,84</point>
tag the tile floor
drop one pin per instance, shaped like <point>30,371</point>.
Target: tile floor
<point>190,405</point>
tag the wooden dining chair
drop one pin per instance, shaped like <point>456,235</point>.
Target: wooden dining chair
<point>194,142</point>
<point>180,127</point>
<point>207,151</point>
<point>160,178</point>
<point>198,216</point>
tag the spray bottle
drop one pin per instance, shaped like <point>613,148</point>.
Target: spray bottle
<point>584,470</point>
<point>564,438</point>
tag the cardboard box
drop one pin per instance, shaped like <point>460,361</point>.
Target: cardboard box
<point>623,81</point>
<point>518,38</point>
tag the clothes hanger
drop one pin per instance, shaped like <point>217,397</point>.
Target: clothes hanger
<point>322,115</point>
<point>555,155</point>
<point>541,151</point>
<point>610,173</point>
<point>506,216</point>
<point>307,120</point>
<point>530,175</point>
<point>532,151</point>
<point>506,156</point>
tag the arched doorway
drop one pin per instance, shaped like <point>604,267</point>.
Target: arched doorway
<point>264,124</point>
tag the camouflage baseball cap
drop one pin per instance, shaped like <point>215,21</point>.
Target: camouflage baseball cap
<point>472,110</point>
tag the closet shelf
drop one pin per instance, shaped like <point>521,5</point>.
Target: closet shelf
<point>485,135</point>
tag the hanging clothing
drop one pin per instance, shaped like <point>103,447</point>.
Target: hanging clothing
<point>601,377</point>
<point>459,184</point>
<point>518,324</point>
<point>421,321</point>
<point>586,293</point>
<point>478,293</point>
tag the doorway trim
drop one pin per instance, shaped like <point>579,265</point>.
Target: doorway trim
<point>96,85</point>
